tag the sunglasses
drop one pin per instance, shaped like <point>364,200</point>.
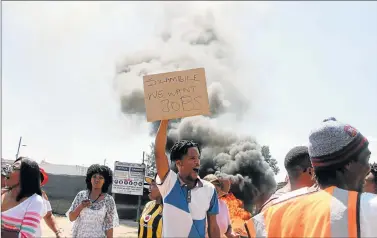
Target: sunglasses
<point>14,168</point>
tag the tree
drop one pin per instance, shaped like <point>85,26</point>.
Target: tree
<point>151,161</point>
<point>268,158</point>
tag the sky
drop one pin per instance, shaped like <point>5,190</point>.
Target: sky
<point>301,61</point>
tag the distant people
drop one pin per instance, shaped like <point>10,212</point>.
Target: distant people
<point>94,211</point>
<point>22,205</point>
<point>188,200</point>
<point>5,169</point>
<point>48,216</point>
<point>300,175</point>
<point>150,224</point>
<point>371,180</point>
<point>340,158</point>
<point>222,186</point>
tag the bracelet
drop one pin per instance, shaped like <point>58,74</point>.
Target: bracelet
<point>58,232</point>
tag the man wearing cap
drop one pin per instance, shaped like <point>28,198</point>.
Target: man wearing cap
<point>150,224</point>
<point>189,202</point>
<point>340,158</point>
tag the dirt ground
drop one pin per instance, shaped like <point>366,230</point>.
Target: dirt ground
<point>126,229</point>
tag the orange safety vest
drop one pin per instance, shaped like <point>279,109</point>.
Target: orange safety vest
<point>331,212</point>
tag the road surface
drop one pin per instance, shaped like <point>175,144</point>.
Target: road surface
<point>127,228</point>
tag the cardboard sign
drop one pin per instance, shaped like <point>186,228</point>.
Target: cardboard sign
<point>176,94</point>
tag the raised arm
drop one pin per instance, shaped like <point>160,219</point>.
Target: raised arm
<point>162,162</point>
<point>78,204</point>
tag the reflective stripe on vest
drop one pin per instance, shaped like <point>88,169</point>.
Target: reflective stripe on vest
<point>332,212</point>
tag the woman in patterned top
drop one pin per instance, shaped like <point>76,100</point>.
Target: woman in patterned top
<point>94,211</point>
<point>22,205</point>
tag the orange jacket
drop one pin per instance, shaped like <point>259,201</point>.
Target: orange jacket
<point>332,212</point>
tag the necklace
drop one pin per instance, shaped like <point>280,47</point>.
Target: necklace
<point>97,197</point>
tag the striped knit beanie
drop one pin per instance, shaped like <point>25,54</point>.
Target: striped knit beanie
<point>334,144</point>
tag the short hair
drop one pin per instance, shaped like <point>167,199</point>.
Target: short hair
<point>30,178</point>
<point>102,170</point>
<point>180,149</point>
<point>297,160</point>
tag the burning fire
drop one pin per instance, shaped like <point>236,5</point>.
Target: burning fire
<point>238,215</point>
<point>235,207</point>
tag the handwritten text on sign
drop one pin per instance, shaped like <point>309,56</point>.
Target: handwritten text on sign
<point>176,94</point>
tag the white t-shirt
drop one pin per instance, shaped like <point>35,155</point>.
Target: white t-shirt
<point>185,211</point>
<point>29,213</point>
<point>48,205</point>
<point>368,215</point>
<point>223,218</point>
<point>48,208</point>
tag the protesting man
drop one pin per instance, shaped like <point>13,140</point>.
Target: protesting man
<point>188,200</point>
<point>340,158</point>
<point>300,175</point>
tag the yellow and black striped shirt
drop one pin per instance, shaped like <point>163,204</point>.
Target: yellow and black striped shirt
<point>150,224</point>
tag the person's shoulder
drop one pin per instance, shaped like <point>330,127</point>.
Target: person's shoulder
<point>37,199</point>
<point>170,175</point>
<point>150,203</point>
<point>369,200</point>
<point>368,208</point>
<point>207,187</point>
<point>82,193</point>
<point>109,197</point>
<point>44,195</point>
<point>223,204</point>
<point>207,184</point>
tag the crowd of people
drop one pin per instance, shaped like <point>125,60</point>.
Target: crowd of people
<point>24,204</point>
<point>331,191</point>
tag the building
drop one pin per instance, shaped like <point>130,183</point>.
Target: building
<point>63,169</point>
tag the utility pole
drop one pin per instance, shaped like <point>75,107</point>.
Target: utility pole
<point>104,162</point>
<point>139,198</point>
<point>19,145</point>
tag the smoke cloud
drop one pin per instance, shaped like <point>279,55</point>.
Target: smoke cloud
<point>193,38</point>
<point>228,155</point>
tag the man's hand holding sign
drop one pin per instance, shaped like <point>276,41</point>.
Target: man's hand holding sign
<point>170,96</point>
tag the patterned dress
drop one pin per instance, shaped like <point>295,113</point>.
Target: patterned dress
<point>96,219</point>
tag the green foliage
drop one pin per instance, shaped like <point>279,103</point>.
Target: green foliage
<point>150,162</point>
<point>268,158</point>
